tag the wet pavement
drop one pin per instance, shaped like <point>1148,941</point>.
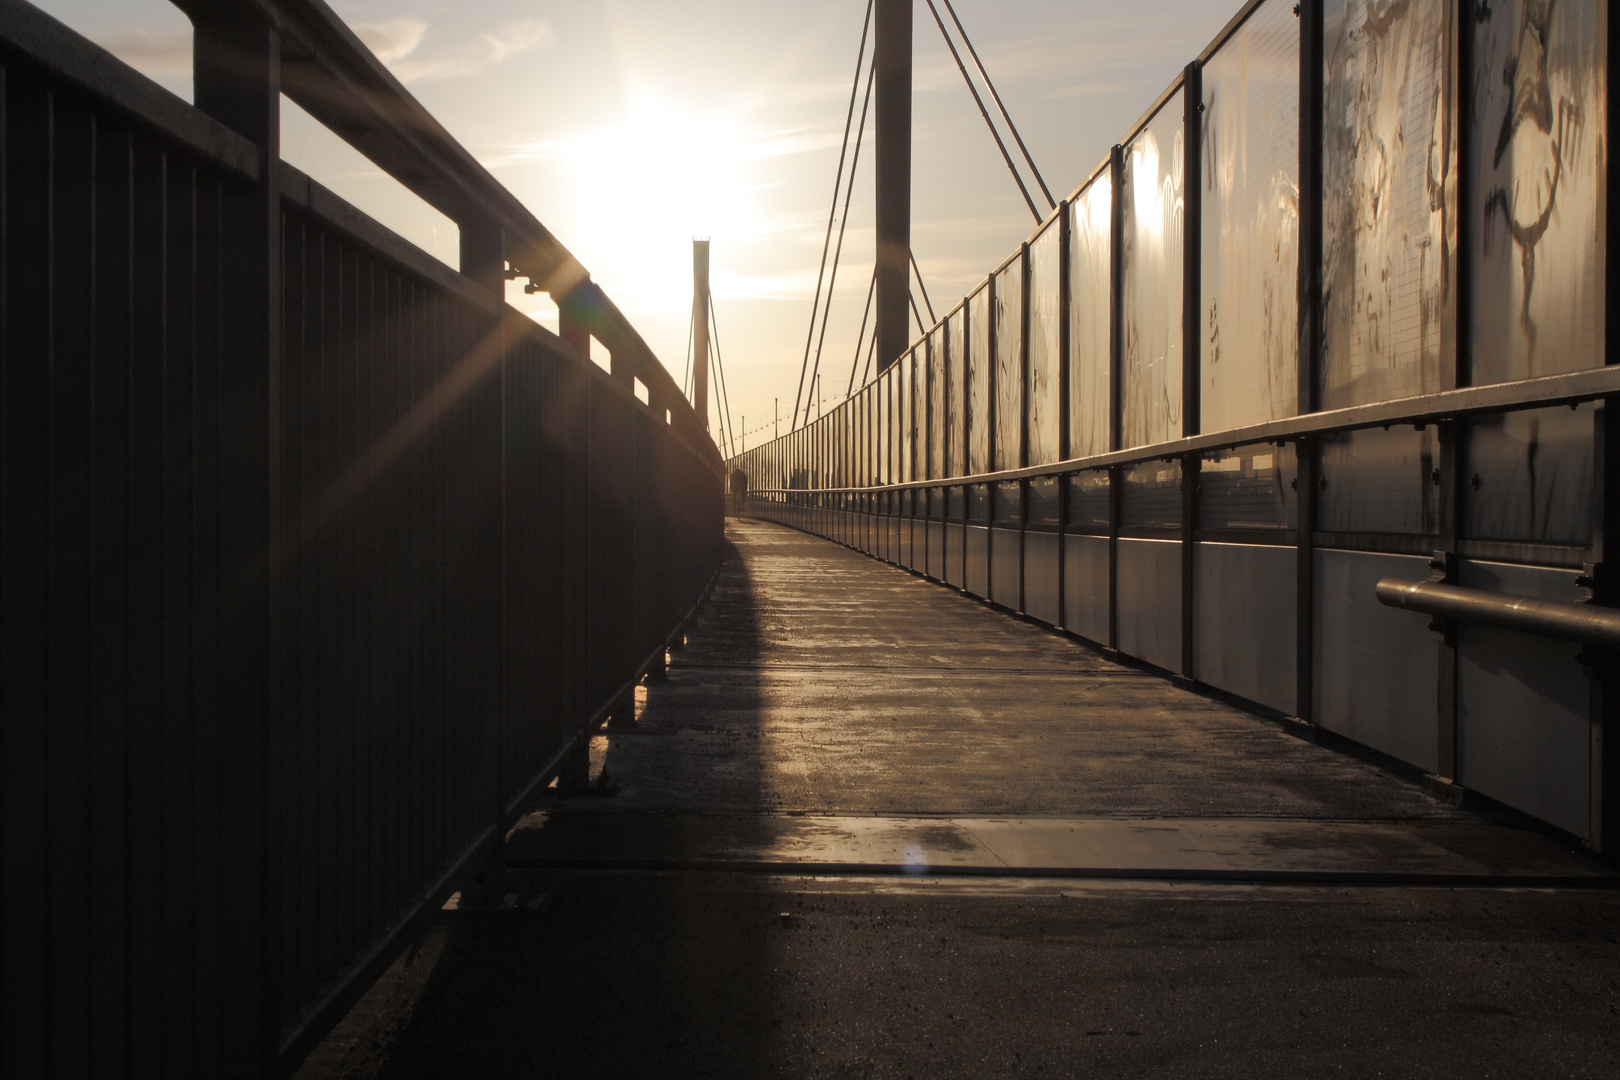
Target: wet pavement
<point>871,827</point>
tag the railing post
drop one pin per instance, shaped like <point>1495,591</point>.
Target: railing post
<point>1116,371</point>
<point>483,254</point>
<point>1192,100</point>
<point>574,318</point>
<point>237,81</point>
<point>1606,710</point>
<point>1307,452</point>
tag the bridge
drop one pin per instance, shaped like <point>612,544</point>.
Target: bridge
<point>1206,621</point>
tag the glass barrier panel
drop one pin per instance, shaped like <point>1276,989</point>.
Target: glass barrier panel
<point>1009,300</point>
<point>1041,504</point>
<point>1044,386</point>
<point>885,426</point>
<point>863,440</point>
<point>1007,501</point>
<point>978,366</point>
<point>936,404</point>
<point>902,418</point>
<point>915,435</point>
<point>1536,204</point>
<point>1089,504</point>
<point>1090,299</point>
<point>1249,328</point>
<point>1251,487</point>
<point>978,504</point>
<point>953,504</point>
<point>1151,498</point>
<point>1380,481</point>
<point>1530,476</point>
<point>955,391</point>
<point>1389,181</point>
<point>1152,279</point>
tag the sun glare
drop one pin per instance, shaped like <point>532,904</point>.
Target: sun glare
<point>643,188</point>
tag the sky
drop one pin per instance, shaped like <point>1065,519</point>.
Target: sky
<point>631,127</point>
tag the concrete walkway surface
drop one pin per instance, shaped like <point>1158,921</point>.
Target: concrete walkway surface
<point>870,827</point>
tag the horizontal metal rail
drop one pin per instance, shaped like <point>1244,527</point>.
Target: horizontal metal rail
<point>1572,389</point>
<point>1527,614</point>
<point>329,72</point>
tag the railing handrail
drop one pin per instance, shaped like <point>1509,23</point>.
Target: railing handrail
<point>1570,388</point>
<point>329,72</point>
<point>1584,623</point>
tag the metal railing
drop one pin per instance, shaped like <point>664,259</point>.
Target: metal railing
<point>317,557</point>
<point>1287,341</point>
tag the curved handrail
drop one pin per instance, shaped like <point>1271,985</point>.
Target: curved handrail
<point>330,73</point>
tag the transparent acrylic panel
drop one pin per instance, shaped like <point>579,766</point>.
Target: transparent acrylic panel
<point>1044,387</point>
<point>1152,279</point>
<point>955,392</point>
<point>1009,297</point>
<point>885,426</point>
<point>1007,499</point>
<point>840,440</point>
<point>1380,481</point>
<point>1540,98</point>
<point>937,392</point>
<point>903,414</point>
<point>1531,477</point>
<point>1041,504</point>
<point>863,439</point>
<point>978,365</point>
<point>1151,497</point>
<point>1251,487</point>
<point>1250,251</point>
<point>1389,178</point>
<point>1090,300</point>
<point>978,504</point>
<point>1088,501</point>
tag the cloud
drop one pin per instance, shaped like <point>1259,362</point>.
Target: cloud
<point>474,58</point>
<point>393,40</point>
<point>166,52</point>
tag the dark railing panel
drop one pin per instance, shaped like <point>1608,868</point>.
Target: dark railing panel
<point>297,613</point>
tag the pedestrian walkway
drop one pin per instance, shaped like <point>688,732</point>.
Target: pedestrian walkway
<point>833,713</point>
<point>871,827</point>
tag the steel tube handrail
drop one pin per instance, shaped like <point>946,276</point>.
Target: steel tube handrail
<point>1571,388</point>
<point>333,76</point>
<point>1583,623</point>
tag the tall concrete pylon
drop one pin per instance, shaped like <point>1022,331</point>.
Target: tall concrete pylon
<point>893,56</point>
<point>700,327</point>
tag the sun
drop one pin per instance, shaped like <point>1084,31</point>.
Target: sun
<point>637,192</point>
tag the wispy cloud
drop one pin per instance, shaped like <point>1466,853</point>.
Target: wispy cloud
<point>393,40</point>
<point>156,52</point>
<point>399,43</point>
<point>487,50</point>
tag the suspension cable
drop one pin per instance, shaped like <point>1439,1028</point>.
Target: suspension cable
<point>921,329</point>
<point>977,100</point>
<point>719,366</point>
<point>932,318</point>
<point>860,62</point>
<point>691,325</point>
<point>861,337</point>
<point>843,224</point>
<point>870,349</point>
<point>985,75</point>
